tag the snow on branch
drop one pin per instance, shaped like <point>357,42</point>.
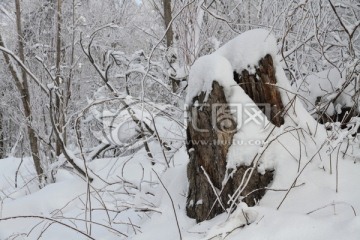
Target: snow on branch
<point>37,81</point>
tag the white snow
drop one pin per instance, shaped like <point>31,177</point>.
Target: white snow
<point>128,196</point>
<point>206,70</point>
<point>301,149</point>
<point>245,51</point>
<point>325,84</point>
<point>242,52</point>
<point>311,211</point>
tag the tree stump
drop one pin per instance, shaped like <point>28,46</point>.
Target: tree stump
<point>207,157</point>
<point>209,141</point>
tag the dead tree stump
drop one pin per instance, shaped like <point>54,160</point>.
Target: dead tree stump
<point>207,148</point>
<point>261,88</point>
<point>208,142</point>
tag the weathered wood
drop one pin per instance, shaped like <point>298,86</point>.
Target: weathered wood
<point>261,88</point>
<point>207,145</point>
<point>207,155</point>
<point>255,189</point>
<point>209,141</point>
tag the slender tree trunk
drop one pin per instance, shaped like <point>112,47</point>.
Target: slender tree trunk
<point>59,104</point>
<point>169,37</point>
<point>167,19</point>
<point>23,88</point>
<point>2,150</point>
<point>249,14</point>
<point>67,90</point>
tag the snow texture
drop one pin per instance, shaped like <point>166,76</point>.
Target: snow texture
<point>206,70</point>
<point>244,52</point>
<point>326,84</point>
<point>324,204</point>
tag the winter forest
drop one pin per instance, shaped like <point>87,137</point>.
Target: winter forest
<point>179,119</point>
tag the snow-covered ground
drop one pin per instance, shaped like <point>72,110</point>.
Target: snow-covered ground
<point>314,194</point>
<point>313,210</point>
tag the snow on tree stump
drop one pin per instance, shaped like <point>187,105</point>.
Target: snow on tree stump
<point>208,144</point>
<point>261,88</point>
<point>207,166</point>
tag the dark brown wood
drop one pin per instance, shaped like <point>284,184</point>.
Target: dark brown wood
<point>206,155</point>
<point>261,88</point>
<point>208,144</point>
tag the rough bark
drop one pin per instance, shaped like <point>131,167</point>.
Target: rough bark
<point>207,167</point>
<point>261,88</point>
<point>208,145</point>
<point>207,156</point>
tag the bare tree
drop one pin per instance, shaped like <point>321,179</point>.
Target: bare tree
<point>167,20</point>
<point>58,79</point>
<point>2,151</point>
<point>21,83</point>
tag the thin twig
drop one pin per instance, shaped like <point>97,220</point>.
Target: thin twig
<point>172,203</point>
<point>49,219</point>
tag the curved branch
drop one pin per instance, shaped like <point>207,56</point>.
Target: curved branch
<point>22,65</point>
